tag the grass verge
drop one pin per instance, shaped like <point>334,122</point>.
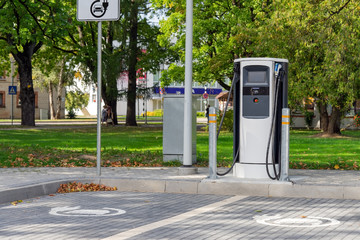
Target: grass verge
<point>142,146</point>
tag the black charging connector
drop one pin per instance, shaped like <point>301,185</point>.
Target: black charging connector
<point>105,5</point>
<point>276,176</point>
<point>236,78</point>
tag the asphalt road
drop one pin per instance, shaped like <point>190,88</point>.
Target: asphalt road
<point>124,215</point>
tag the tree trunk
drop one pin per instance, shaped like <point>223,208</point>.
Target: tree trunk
<point>113,105</point>
<point>133,50</point>
<point>110,100</point>
<point>334,123</point>
<point>58,101</point>
<point>324,117</point>
<point>60,88</point>
<point>51,101</point>
<point>27,94</point>
<point>109,82</point>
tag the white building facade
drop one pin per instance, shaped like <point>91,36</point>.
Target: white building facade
<point>205,95</point>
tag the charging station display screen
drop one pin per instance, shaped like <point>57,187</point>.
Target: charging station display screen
<point>257,77</point>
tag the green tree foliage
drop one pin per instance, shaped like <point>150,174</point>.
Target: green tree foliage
<point>75,100</point>
<point>25,27</point>
<point>128,45</point>
<point>320,39</point>
<point>52,73</point>
<point>139,40</point>
<point>223,31</point>
<point>81,44</point>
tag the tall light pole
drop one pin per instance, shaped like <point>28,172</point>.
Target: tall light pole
<point>187,157</point>
<point>12,61</point>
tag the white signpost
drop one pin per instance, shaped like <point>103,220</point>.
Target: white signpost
<point>98,10</point>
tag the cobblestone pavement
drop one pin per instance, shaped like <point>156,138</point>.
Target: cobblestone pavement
<point>124,215</point>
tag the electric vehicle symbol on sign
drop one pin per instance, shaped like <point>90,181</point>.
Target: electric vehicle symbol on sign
<point>98,8</point>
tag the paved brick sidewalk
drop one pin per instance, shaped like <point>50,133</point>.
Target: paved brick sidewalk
<point>138,216</point>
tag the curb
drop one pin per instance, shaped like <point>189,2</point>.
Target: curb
<point>29,191</point>
<point>205,186</point>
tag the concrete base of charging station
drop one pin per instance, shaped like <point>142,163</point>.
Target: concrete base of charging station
<point>183,171</point>
<point>254,171</point>
<point>221,186</point>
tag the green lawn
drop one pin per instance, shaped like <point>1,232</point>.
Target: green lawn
<point>121,146</point>
<point>142,146</point>
<point>309,151</point>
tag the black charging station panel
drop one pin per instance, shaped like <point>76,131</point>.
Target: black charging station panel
<point>256,85</point>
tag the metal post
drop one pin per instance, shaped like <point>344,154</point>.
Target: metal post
<point>187,157</point>
<point>12,84</point>
<point>138,108</point>
<point>285,129</point>
<point>146,98</point>
<point>98,148</point>
<point>212,144</point>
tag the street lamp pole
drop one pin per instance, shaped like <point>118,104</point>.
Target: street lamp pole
<point>187,157</point>
<point>12,61</point>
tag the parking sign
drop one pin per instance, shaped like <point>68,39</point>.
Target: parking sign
<point>98,10</point>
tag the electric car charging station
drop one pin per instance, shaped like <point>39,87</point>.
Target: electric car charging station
<point>260,94</point>
<point>261,119</point>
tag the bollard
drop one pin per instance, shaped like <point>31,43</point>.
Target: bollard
<point>212,144</point>
<point>285,129</point>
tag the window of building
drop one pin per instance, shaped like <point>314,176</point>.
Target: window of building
<point>2,99</point>
<point>18,102</point>
<point>157,77</point>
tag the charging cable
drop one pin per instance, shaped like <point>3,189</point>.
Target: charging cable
<point>235,79</point>
<point>279,73</point>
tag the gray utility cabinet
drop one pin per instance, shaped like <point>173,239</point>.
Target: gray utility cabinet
<point>173,128</point>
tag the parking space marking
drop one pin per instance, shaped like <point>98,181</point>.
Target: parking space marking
<point>78,212</point>
<point>181,217</point>
<point>302,222</point>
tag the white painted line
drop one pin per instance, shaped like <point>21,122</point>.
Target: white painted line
<point>162,223</point>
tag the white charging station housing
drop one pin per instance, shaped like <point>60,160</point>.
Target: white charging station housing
<point>255,94</point>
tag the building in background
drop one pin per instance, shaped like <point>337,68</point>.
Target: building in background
<point>11,103</point>
<point>205,94</point>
